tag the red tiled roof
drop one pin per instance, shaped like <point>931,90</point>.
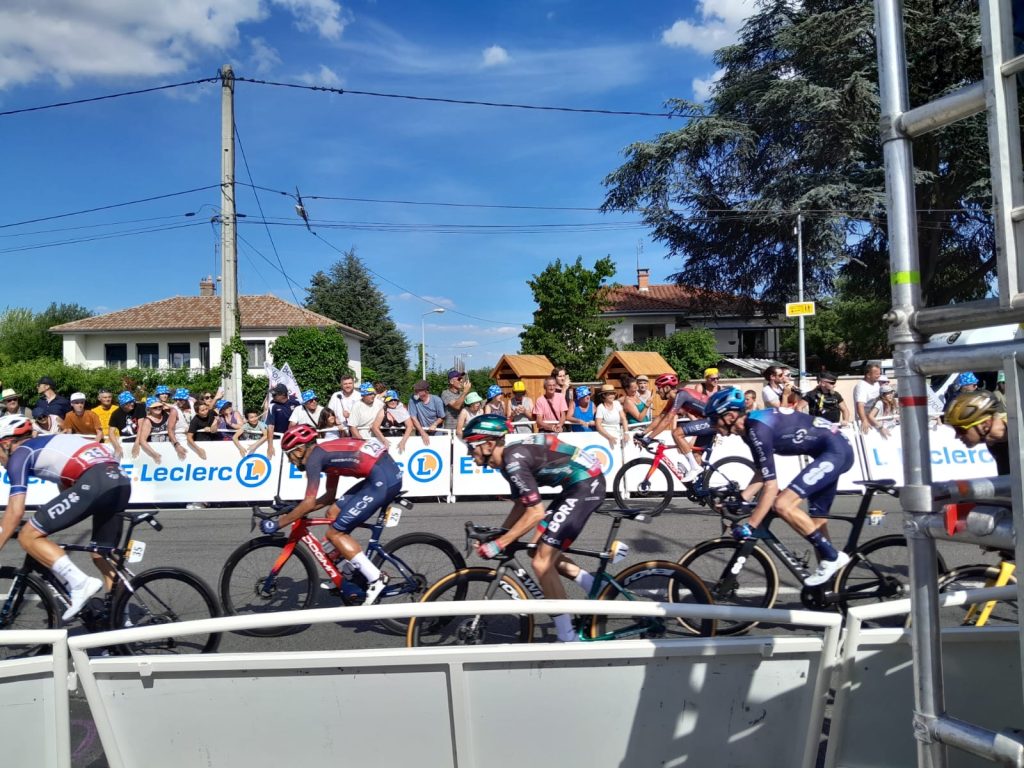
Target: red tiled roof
<point>203,313</point>
<point>670,299</point>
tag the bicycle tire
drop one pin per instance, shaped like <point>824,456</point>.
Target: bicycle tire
<point>245,574</point>
<point>33,608</point>
<point>471,584</point>
<point>734,470</point>
<point>631,481</point>
<point>661,581</point>
<point>165,596</point>
<point>709,561</point>
<point>1004,614</point>
<point>877,572</point>
<point>428,557</point>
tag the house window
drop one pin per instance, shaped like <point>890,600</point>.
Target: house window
<point>204,356</point>
<point>754,344</point>
<point>178,355</point>
<point>645,331</point>
<point>147,355</point>
<point>115,355</point>
<point>257,353</point>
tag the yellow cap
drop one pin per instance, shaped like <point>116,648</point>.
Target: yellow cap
<point>519,387</point>
<point>710,372</point>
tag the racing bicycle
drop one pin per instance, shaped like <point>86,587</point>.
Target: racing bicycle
<point>273,573</point>
<point>657,580</point>
<point>33,598</point>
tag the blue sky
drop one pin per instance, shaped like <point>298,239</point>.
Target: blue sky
<point>473,261</point>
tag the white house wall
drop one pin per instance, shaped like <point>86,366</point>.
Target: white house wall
<point>727,339</point>
<point>355,356</point>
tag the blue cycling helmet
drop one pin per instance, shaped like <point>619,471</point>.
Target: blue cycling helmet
<point>966,379</point>
<point>308,395</point>
<point>125,397</point>
<point>492,392</point>
<point>722,402</point>
<point>390,395</point>
<point>366,388</point>
<point>181,393</point>
<point>163,389</point>
<point>582,392</point>
<point>151,401</point>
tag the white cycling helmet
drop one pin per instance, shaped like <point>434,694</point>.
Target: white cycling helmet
<point>12,425</point>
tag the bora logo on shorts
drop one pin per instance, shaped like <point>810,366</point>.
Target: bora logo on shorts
<point>424,465</point>
<point>253,470</point>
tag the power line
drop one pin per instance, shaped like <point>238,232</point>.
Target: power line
<point>273,266</point>
<point>107,97</point>
<point>106,236</point>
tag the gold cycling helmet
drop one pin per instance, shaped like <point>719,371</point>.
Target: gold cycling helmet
<point>971,408</point>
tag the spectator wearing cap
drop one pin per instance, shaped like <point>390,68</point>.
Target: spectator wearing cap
<point>706,388</point>
<point>886,411</point>
<point>550,409</point>
<point>495,402</point>
<point>610,416</point>
<point>581,417</point>
<point>163,395</point>
<point>865,394</point>
<point>341,402</point>
<point>104,410</point>
<point>202,428</point>
<point>645,393</point>
<point>254,432</point>
<point>454,397</point>
<point>228,419</point>
<point>397,420</point>
<point>825,402</point>
<point>79,421</point>
<point>308,411</point>
<point>49,401</point>
<point>12,404</point>
<point>520,408</point>
<point>124,422</point>
<point>282,405</point>
<point>367,415</point>
<point>425,410</point>
<point>154,428</point>
<point>474,406</point>
<point>182,411</point>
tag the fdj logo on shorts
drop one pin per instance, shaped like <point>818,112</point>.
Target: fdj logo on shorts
<point>424,465</point>
<point>253,470</point>
<point>603,456</point>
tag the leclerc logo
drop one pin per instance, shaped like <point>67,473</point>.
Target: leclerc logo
<point>603,456</point>
<point>253,470</point>
<point>424,465</point>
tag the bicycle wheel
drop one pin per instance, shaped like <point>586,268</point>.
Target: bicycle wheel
<point>471,584</point>
<point>420,559</point>
<point>878,572</point>
<point>732,471</point>
<point>754,585</point>
<point>248,586</point>
<point>25,604</point>
<point>659,581</point>
<point>165,596</point>
<point>638,486</point>
<point>1003,614</point>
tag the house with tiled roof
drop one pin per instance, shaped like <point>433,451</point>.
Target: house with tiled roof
<point>643,311</point>
<point>184,332</point>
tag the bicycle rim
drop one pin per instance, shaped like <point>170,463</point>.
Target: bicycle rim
<point>166,596</point>
<point>879,572</point>
<point>30,607</point>
<point>754,585</point>
<point>419,560</point>
<point>999,614</point>
<point>638,485</point>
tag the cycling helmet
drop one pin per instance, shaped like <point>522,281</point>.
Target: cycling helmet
<point>666,380</point>
<point>125,397</point>
<point>308,395</point>
<point>723,401</point>
<point>151,401</point>
<point>366,388</point>
<point>12,425</point>
<point>492,392</point>
<point>390,395</point>
<point>489,426</point>
<point>582,392</point>
<point>966,379</point>
<point>300,434</point>
<point>163,389</point>
<point>181,393</point>
<point>971,408</point>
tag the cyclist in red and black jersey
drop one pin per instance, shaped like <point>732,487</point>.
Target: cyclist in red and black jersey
<point>681,401</point>
<point>91,485</point>
<point>528,464</point>
<point>345,457</point>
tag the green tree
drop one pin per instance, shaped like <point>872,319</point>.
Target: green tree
<point>793,125</point>
<point>318,357</point>
<point>347,294</point>
<point>567,324</point>
<point>688,352</point>
<point>25,335</point>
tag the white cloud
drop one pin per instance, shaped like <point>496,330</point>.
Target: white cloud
<point>264,57</point>
<point>325,16</point>
<point>325,77</point>
<point>443,301</point>
<point>465,344</point>
<point>702,88</point>
<point>717,26</point>
<point>495,56</point>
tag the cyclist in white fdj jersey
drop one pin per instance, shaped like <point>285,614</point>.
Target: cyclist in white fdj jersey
<point>91,485</point>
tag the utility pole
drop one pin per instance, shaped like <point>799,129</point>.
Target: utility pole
<point>802,359</point>
<point>232,383</point>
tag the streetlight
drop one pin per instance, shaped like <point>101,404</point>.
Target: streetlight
<point>423,339</point>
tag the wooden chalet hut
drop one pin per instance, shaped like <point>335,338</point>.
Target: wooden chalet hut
<point>532,369</point>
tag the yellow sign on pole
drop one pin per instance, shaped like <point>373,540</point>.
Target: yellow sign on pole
<point>798,308</point>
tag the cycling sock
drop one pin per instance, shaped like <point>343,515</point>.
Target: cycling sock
<point>68,572</point>
<point>585,580</point>
<point>692,461</point>
<point>822,545</point>
<point>368,569</point>
<point>563,627</point>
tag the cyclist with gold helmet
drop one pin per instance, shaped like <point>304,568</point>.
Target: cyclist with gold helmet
<point>979,417</point>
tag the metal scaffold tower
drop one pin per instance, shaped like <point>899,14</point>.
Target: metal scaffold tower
<point>911,324</point>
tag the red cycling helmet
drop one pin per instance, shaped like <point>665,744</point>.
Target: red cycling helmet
<point>666,380</point>
<point>300,434</point>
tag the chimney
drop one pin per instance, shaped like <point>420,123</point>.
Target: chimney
<point>207,286</point>
<point>643,279</point>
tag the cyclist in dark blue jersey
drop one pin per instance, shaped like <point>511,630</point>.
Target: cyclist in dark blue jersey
<point>789,433</point>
